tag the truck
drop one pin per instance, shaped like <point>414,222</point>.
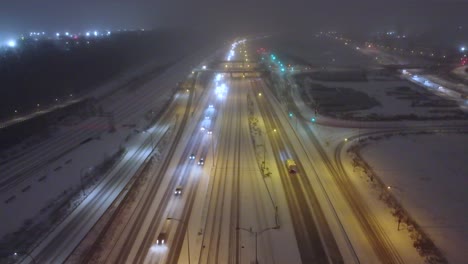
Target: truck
<point>291,165</point>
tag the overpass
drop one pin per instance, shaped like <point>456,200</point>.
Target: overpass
<point>233,72</point>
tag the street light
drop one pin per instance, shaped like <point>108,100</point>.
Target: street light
<point>186,232</point>
<point>256,233</point>
<point>389,188</point>
<point>25,253</point>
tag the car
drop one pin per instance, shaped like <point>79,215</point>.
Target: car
<point>162,237</point>
<point>209,132</point>
<point>201,162</point>
<point>207,118</point>
<point>210,106</point>
<point>178,190</point>
<point>202,128</point>
<point>192,156</point>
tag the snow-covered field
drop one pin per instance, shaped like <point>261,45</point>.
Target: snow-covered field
<point>396,99</point>
<point>427,174</point>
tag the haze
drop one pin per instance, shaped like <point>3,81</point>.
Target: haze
<point>238,16</point>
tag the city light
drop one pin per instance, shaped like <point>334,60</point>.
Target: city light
<point>462,49</point>
<point>11,43</point>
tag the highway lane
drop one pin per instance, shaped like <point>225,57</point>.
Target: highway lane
<point>191,185</point>
<point>81,220</point>
<point>216,238</point>
<point>315,240</point>
<point>137,239</point>
<point>378,239</point>
<point>139,236</point>
<point>59,244</point>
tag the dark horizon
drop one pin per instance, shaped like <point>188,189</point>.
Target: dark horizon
<point>241,17</point>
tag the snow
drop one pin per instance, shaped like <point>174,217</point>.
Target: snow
<point>126,106</point>
<point>428,174</point>
<point>461,72</point>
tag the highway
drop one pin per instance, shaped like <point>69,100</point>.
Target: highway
<point>58,245</point>
<point>220,190</point>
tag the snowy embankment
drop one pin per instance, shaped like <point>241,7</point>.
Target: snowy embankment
<point>60,162</point>
<point>427,176</point>
<point>461,72</point>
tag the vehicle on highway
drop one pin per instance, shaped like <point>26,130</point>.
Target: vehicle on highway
<point>202,128</point>
<point>192,156</point>
<point>210,106</point>
<point>209,132</point>
<point>291,165</point>
<point>207,118</point>
<point>163,234</point>
<point>178,190</point>
<point>201,162</point>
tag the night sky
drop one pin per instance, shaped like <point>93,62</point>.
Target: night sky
<point>241,16</point>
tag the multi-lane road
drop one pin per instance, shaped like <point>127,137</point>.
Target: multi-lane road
<point>221,192</point>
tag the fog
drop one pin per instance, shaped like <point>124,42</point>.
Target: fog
<point>235,17</point>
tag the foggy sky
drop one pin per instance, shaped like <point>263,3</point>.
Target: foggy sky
<point>238,17</point>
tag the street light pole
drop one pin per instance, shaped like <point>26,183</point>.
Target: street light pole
<point>389,188</point>
<point>186,232</point>
<point>257,233</point>
<point>264,149</point>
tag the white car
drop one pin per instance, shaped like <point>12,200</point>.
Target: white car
<point>178,190</point>
<point>202,129</point>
